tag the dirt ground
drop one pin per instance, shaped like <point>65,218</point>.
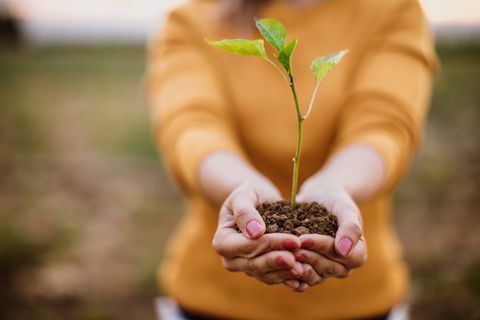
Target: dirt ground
<point>85,206</point>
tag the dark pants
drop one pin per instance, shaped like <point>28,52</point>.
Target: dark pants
<point>195,316</point>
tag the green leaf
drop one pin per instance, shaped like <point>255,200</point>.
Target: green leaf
<point>321,66</point>
<point>273,31</point>
<point>285,55</point>
<point>241,47</point>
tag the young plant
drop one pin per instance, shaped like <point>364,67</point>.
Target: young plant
<point>274,33</point>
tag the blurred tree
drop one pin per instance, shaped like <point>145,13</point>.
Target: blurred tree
<point>10,34</point>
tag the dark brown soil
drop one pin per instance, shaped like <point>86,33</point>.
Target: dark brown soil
<point>307,217</point>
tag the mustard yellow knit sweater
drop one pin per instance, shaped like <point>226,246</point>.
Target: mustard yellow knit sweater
<point>204,100</point>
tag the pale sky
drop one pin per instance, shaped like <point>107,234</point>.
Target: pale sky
<point>438,11</point>
<point>452,11</point>
<point>136,19</point>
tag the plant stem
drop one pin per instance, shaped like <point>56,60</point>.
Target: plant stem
<point>296,159</point>
<point>312,100</point>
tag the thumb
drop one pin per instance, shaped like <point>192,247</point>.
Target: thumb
<point>349,228</point>
<point>246,216</point>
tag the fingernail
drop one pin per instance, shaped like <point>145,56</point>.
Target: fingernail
<point>290,244</point>
<point>254,228</point>
<point>295,273</point>
<point>344,246</point>
<point>305,274</point>
<point>297,270</point>
<point>292,284</point>
<point>300,258</point>
<point>303,286</point>
<point>307,243</point>
<point>281,262</point>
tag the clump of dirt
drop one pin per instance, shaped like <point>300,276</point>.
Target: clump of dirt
<point>307,217</point>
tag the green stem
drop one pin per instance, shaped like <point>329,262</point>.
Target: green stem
<point>296,159</point>
<point>312,100</point>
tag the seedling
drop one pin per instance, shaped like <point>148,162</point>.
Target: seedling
<point>274,33</point>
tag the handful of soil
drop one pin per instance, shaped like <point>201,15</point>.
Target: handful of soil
<point>307,217</point>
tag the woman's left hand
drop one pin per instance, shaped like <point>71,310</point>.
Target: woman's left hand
<point>327,256</point>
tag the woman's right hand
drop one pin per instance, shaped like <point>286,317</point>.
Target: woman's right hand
<point>267,257</point>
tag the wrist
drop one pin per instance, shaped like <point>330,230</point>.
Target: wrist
<point>326,182</point>
<point>222,172</point>
<point>357,169</point>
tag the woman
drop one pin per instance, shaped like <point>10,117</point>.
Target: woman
<point>226,126</point>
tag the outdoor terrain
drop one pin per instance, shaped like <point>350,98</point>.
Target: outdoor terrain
<point>85,206</point>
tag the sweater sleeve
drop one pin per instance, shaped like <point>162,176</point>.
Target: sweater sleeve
<point>188,103</point>
<point>387,99</point>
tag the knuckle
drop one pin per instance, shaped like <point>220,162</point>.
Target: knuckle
<point>307,274</point>
<point>250,268</point>
<point>261,193</point>
<point>228,265</point>
<point>339,204</point>
<point>247,249</point>
<point>267,280</point>
<point>217,245</point>
<point>356,230</point>
<point>344,274</point>
<point>330,270</point>
<point>241,213</point>
<point>318,264</point>
<point>360,261</point>
<point>310,276</point>
<point>230,200</point>
<point>263,246</point>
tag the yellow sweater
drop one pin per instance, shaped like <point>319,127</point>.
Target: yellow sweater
<point>205,100</point>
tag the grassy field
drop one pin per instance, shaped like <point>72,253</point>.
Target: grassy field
<point>85,206</point>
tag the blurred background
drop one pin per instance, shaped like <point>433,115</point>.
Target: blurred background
<point>86,207</point>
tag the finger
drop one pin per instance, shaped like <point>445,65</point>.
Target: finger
<point>281,276</point>
<point>298,270</point>
<point>322,265</point>
<point>321,244</point>
<point>310,276</point>
<point>245,215</point>
<point>292,284</point>
<point>229,243</point>
<point>278,277</point>
<point>324,245</point>
<point>357,256</point>
<point>349,225</point>
<point>266,191</point>
<point>291,278</point>
<point>303,286</point>
<point>265,263</point>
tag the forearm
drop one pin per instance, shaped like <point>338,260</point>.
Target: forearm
<point>358,168</point>
<point>221,172</point>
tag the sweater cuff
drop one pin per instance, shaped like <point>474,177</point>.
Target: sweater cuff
<point>394,155</point>
<point>192,147</point>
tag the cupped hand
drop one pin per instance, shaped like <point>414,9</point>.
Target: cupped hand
<point>267,257</point>
<point>327,256</point>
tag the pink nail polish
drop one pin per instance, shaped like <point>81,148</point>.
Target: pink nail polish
<point>294,273</point>
<point>300,258</point>
<point>344,246</point>
<point>307,243</point>
<point>306,274</point>
<point>281,262</point>
<point>253,228</point>
<point>292,284</point>
<point>289,244</point>
<point>303,286</point>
